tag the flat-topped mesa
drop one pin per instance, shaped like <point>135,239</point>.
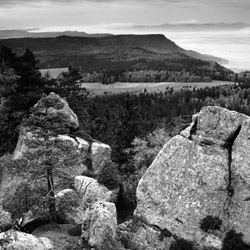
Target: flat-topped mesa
<point>202,172</point>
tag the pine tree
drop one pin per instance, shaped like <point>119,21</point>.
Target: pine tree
<point>49,157</point>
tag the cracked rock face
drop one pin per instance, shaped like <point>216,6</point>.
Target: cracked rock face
<point>204,171</point>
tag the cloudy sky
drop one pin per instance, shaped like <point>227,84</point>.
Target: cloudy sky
<point>99,15</point>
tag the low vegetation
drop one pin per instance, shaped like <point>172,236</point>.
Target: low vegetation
<point>210,223</point>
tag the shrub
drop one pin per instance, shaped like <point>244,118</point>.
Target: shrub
<point>233,241</point>
<point>181,244</point>
<point>165,233</point>
<point>75,230</point>
<point>210,223</point>
<point>109,176</point>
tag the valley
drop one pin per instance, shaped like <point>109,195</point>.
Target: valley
<point>124,87</point>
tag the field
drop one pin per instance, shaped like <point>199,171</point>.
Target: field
<point>53,72</point>
<point>121,87</point>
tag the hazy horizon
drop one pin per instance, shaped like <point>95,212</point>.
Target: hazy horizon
<point>121,17</point>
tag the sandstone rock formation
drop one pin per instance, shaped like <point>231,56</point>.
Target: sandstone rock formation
<point>69,204</point>
<point>98,152</point>
<point>101,224</point>
<point>60,106</point>
<point>203,171</point>
<point>74,158</point>
<point>90,192</point>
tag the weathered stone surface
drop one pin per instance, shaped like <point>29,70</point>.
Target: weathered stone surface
<point>74,146</point>
<point>134,234</point>
<point>240,170</point>
<point>57,236</point>
<point>5,220</point>
<point>216,125</point>
<point>79,145</point>
<point>100,154</point>
<point>14,240</point>
<point>62,107</point>
<point>204,171</point>
<point>8,183</point>
<point>185,182</point>
<point>69,204</point>
<point>101,224</point>
<point>211,241</point>
<point>91,191</point>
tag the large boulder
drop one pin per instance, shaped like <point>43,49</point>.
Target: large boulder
<point>26,136</point>
<point>239,208</point>
<point>90,191</point>
<point>202,172</point>
<point>77,146</point>
<point>135,234</point>
<point>57,236</point>
<point>214,126</point>
<point>14,240</point>
<point>58,105</point>
<point>184,184</point>
<point>101,224</point>
<point>69,205</point>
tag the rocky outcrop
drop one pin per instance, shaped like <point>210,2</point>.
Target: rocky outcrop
<point>98,152</point>
<point>77,155</point>
<point>101,224</point>
<point>5,220</point>
<point>135,234</point>
<point>56,105</point>
<point>203,171</point>
<point>14,240</point>
<point>183,185</point>
<point>57,235</point>
<point>239,209</point>
<point>90,191</point>
<point>69,205</point>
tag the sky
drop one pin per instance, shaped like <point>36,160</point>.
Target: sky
<point>103,15</point>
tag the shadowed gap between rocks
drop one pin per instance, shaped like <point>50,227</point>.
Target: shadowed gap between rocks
<point>194,128</point>
<point>229,181</point>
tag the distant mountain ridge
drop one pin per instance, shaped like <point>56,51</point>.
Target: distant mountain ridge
<point>6,34</point>
<point>198,27</point>
<point>97,53</point>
